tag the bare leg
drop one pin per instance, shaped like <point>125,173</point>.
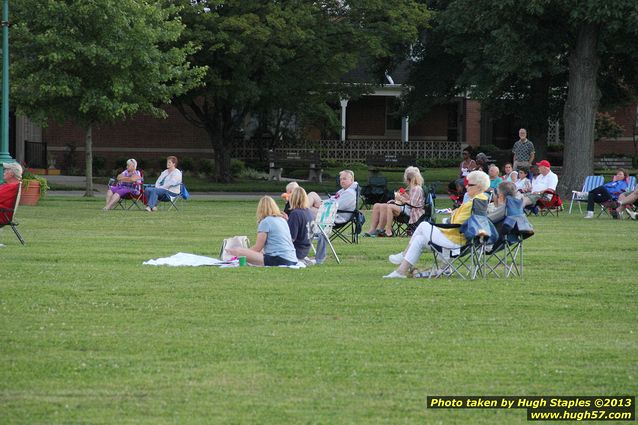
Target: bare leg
<point>374,221</point>
<point>113,201</point>
<point>391,211</point>
<point>252,257</point>
<point>109,194</point>
<point>315,202</point>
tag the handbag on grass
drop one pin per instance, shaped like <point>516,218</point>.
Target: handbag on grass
<point>234,242</point>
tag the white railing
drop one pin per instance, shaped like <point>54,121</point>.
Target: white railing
<point>350,150</point>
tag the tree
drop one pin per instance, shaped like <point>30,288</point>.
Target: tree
<point>97,61</point>
<point>285,58</point>
<point>544,55</point>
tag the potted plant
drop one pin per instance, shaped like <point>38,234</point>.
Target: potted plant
<point>33,187</point>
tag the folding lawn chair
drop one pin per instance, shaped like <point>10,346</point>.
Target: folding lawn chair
<point>173,200</point>
<point>322,226</point>
<point>401,225</point>
<point>606,208</point>
<point>7,215</point>
<point>131,200</point>
<point>549,203</point>
<point>507,251</point>
<point>350,230</point>
<point>591,182</point>
<point>468,260</point>
<point>376,191</point>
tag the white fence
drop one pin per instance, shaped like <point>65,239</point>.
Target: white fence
<point>350,150</point>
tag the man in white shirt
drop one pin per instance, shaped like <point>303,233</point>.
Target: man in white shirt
<point>346,197</point>
<point>546,179</point>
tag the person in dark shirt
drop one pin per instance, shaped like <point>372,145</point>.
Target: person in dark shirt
<point>299,218</point>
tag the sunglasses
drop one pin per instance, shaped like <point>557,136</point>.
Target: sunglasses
<point>470,185</point>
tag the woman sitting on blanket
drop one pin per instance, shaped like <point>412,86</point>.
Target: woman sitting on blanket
<point>477,183</point>
<point>410,203</point>
<point>128,181</point>
<point>274,245</point>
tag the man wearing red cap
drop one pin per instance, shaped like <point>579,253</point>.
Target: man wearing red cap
<point>546,179</point>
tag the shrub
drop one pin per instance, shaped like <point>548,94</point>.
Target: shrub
<point>99,165</point>
<point>236,167</point>
<point>186,164</point>
<point>205,166</point>
<point>436,163</point>
<point>252,174</point>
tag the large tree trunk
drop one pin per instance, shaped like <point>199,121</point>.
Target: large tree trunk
<point>88,156</point>
<point>218,124</point>
<point>580,110</point>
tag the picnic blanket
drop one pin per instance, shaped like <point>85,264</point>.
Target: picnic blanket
<point>184,259</point>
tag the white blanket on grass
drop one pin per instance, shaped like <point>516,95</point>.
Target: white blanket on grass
<point>185,259</point>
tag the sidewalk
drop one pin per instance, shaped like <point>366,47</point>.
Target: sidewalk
<point>100,191</point>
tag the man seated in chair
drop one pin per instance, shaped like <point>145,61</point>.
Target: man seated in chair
<point>168,185</point>
<point>12,174</point>
<point>477,183</point>
<point>546,179</point>
<point>346,199</point>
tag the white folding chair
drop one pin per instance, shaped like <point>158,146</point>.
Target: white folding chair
<point>323,224</point>
<point>591,182</point>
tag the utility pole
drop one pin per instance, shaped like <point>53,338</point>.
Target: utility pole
<point>4,139</point>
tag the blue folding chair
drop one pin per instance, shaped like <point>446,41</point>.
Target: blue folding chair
<point>591,182</point>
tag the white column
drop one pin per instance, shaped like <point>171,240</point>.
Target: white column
<point>344,104</point>
<point>405,129</point>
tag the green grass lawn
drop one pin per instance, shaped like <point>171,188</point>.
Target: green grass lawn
<point>90,335</point>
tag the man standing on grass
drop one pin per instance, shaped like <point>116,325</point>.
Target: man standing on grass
<point>12,173</point>
<point>523,151</point>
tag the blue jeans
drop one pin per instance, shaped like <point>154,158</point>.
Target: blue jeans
<point>153,194</point>
<point>320,255</point>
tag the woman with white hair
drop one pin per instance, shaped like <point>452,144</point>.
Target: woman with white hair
<point>128,181</point>
<point>409,202</point>
<point>477,183</point>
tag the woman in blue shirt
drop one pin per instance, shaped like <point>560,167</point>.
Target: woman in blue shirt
<point>274,245</point>
<point>607,192</point>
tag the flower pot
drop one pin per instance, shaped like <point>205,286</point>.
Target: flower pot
<point>30,195</point>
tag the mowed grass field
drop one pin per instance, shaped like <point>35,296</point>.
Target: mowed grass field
<point>90,335</point>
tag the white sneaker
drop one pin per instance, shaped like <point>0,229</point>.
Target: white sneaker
<point>590,214</point>
<point>309,261</point>
<point>632,214</point>
<point>395,275</point>
<point>396,258</point>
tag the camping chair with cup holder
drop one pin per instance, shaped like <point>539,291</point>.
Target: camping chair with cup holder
<point>7,215</point>
<point>507,251</point>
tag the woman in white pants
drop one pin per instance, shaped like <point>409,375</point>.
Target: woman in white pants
<point>477,183</point>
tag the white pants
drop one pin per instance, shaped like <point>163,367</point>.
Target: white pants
<point>421,238</point>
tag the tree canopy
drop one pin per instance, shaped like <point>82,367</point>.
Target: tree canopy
<point>534,58</point>
<point>286,57</point>
<point>97,61</point>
